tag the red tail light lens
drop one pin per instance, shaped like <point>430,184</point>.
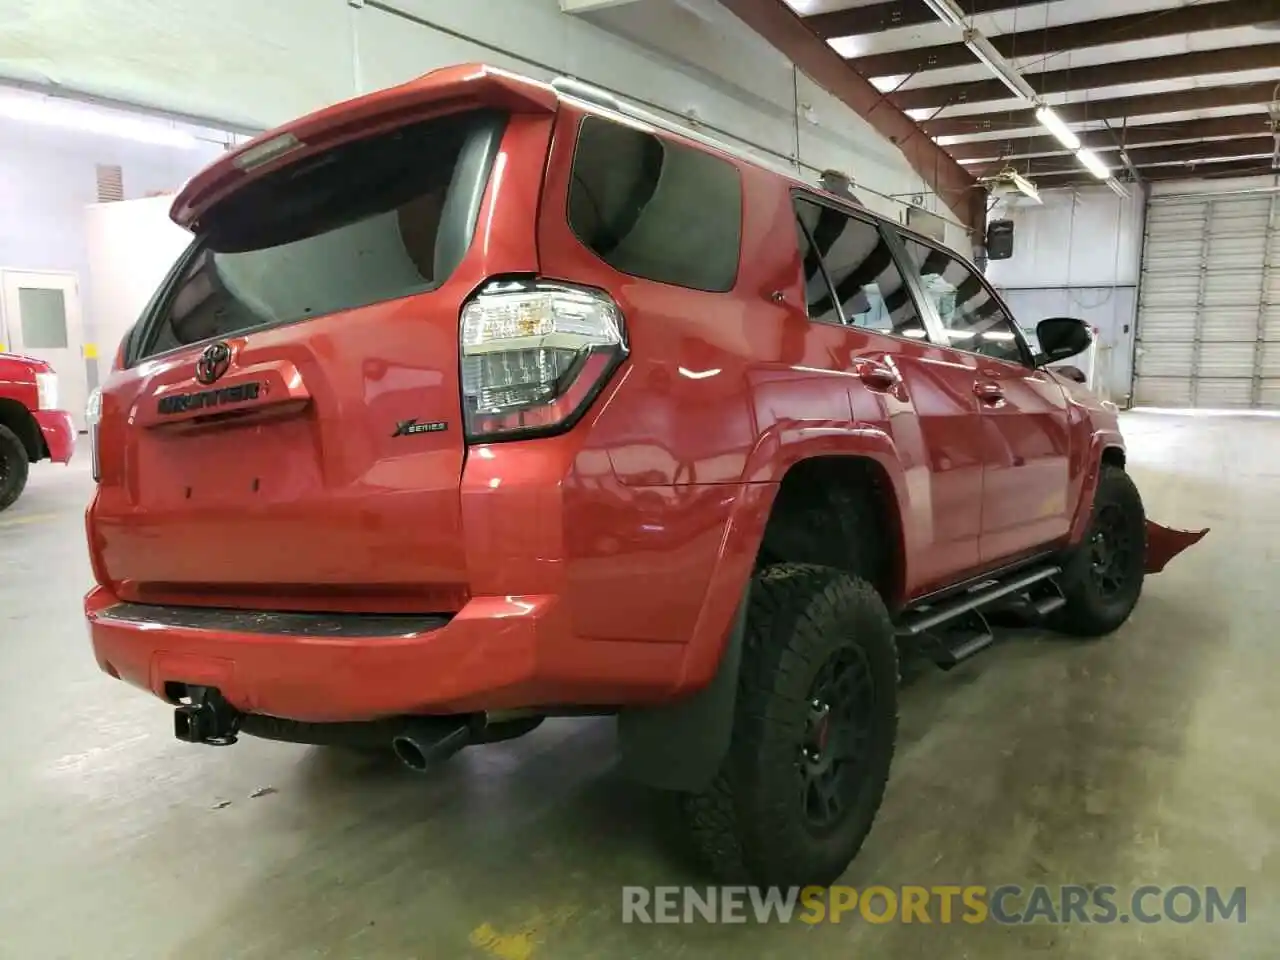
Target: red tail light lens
<point>534,356</point>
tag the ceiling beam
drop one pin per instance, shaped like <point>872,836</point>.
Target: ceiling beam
<point>1177,101</point>
<point>879,17</point>
<point>1259,57</point>
<point>1245,125</point>
<point>1144,156</point>
<point>1076,36</point>
<point>1226,168</point>
<point>778,24</point>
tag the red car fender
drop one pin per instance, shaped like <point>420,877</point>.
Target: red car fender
<point>1099,442</point>
<point>778,449</point>
<point>1162,543</point>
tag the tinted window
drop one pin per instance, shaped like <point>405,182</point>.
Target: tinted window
<point>869,290</point>
<point>971,315</point>
<point>656,209</point>
<point>370,221</point>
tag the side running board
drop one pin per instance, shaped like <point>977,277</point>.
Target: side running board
<point>954,628</point>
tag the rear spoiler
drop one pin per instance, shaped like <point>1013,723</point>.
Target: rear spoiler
<point>449,90</point>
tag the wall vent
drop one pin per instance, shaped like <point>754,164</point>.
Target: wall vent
<point>110,183</point>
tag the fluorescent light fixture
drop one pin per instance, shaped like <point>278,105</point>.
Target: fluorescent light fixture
<point>1053,123</point>
<point>68,115</point>
<point>1093,164</point>
<point>998,65</point>
<point>1118,188</point>
<point>947,12</point>
<point>1009,182</point>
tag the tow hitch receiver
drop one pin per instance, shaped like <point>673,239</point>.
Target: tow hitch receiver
<point>208,719</point>
<point>1165,543</point>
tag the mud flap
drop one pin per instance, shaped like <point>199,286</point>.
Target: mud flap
<point>1165,543</point>
<point>679,746</point>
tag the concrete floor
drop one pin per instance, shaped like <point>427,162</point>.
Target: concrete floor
<point>1150,757</point>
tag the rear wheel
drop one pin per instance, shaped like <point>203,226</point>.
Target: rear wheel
<point>1103,577</point>
<point>13,467</point>
<point>813,736</point>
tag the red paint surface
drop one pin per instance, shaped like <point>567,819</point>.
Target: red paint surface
<point>18,387</point>
<point>601,566</point>
<point>1165,543</point>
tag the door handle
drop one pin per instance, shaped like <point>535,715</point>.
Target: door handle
<point>877,375</point>
<point>988,392</point>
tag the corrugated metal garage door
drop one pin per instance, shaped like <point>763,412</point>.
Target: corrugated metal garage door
<point>1209,306</point>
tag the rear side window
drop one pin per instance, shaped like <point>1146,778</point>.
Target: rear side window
<point>866,287</point>
<point>656,209</point>
<point>373,220</point>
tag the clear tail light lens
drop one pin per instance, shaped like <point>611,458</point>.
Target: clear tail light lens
<point>534,356</point>
<point>93,416</point>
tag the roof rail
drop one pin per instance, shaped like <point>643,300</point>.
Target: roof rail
<point>574,89</point>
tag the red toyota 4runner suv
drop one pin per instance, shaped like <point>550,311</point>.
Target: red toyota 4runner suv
<point>480,400</point>
<point>32,428</point>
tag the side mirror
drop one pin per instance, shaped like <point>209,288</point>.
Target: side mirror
<point>1060,338</point>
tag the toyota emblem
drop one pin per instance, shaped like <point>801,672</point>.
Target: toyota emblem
<point>213,363</point>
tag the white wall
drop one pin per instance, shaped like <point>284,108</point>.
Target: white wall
<point>254,64</point>
<point>132,245</point>
<point>1078,254</point>
<point>47,179</point>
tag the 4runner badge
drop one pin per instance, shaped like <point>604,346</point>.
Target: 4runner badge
<point>407,428</point>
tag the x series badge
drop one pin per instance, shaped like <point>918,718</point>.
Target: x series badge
<point>407,428</point>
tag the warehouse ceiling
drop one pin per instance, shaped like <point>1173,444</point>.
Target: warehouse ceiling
<point>1160,89</point>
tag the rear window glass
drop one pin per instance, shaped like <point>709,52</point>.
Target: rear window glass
<point>656,209</point>
<point>370,221</point>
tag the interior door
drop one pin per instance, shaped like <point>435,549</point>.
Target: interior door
<point>1024,412</point>
<point>42,319</point>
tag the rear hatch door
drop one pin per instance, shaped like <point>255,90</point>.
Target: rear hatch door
<point>286,433</point>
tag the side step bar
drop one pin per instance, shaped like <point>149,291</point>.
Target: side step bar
<point>927,618</point>
<point>965,631</point>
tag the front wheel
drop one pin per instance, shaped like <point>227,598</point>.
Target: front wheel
<point>1102,579</point>
<point>813,734</point>
<point>13,467</point>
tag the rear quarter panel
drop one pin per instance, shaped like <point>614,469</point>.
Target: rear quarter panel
<point>671,487</point>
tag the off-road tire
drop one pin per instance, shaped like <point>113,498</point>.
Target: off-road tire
<point>1091,610</point>
<point>750,825</point>
<point>13,467</point>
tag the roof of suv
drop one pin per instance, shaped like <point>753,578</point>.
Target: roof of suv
<point>458,87</point>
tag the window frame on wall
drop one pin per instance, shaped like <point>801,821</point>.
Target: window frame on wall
<point>910,281</point>
<point>937,326</point>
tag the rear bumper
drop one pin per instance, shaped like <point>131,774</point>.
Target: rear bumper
<point>496,653</point>
<point>59,432</point>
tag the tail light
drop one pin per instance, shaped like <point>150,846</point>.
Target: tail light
<point>47,390</point>
<point>93,416</point>
<point>534,356</point>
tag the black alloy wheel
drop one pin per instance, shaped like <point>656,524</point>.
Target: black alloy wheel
<point>836,742</point>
